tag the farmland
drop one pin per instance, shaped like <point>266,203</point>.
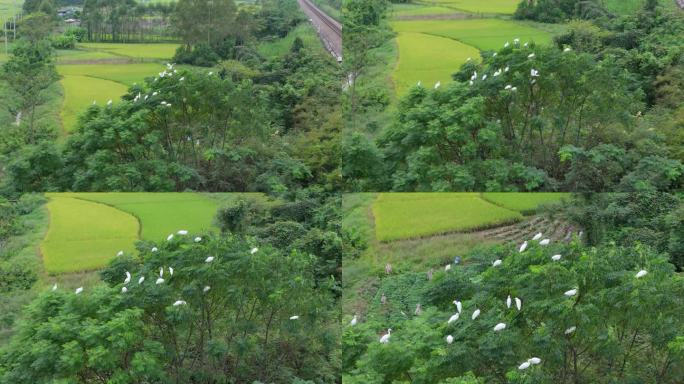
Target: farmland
<point>478,6</point>
<point>103,71</point>
<point>87,229</point>
<point>431,50</point>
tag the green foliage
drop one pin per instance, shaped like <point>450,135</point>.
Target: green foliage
<point>554,11</point>
<point>613,313</point>
<point>238,328</point>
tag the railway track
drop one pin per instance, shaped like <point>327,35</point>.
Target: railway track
<point>329,30</point>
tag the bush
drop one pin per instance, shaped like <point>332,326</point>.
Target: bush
<point>201,55</point>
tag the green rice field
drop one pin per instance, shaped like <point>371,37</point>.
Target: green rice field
<point>432,50</point>
<point>81,91</point>
<point>87,230</point>
<point>524,202</point>
<point>479,6</point>
<point>412,215</point>
<point>406,10</point>
<point>158,51</point>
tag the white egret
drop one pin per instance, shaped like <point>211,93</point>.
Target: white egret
<point>294,317</point>
<point>209,259</point>
<point>79,290</point>
<point>494,55</point>
<point>168,238</point>
<point>523,247</point>
<point>570,330</point>
<point>556,257</point>
<point>458,304</point>
<point>524,365</point>
<point>109,103</point>
<point>571,292</point>
<point>124,289</point>
<point>484,77</point>
<point>120,254</point>
<point>161,271</point>
<point>641,274</point>
<point>507,44</point>
<point>526,45</point>
<point>471,82</point>
<point>182,78</point>
<point>508,87</point>
<point>534,360</point>
<point>497,73</point>
<point>506,69</point>
<point>254,250</point>
<point>453,318</point>
<point>179,302</point>
<point>468,59</point>
<point>128,278</point>
<point>545,242</point>
<point>447,268</point>
<point>567,49</point>
<point>353,321</point>
<point>437,84</point>
<point>182,232</point>
<point>141,279</point>
<point>508,301</point>
<point>198,239</point>
<point>499,327</point>
<point>497,262</point>
<point>171,271</point>
<point>54,287</point>
<point>537,236</point>
<point>386,337</point>
<point>516,41</point>
<point>155,249</point>
<point>210,73</point>
<point>518,303</point>
<point>514,89</point>
<point>449,339</point>
<point>159,281</point>
<point>530,56</point>
<point>476,313</point>
<point>419,83</point>
<point>206,289</point>
<point>534,72</point>
<point>155,93</point>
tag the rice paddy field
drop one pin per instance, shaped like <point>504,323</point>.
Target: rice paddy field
<point>87,230</point>
<point>103,71</point>
<point>478,6</point>
<point>431,50</point>
<point>524,202</point>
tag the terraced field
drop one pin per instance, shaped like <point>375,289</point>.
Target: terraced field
<point>86,230</point>
<point>479,6</point>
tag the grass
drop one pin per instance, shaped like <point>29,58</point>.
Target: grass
<point>524,202</point>
<point>413,215</point>
<point>84,235</point>
<point>406,10</point>
<point>279,47</point>
<point>66,56</point>
<point>79,93</point>
<point>428,59</point>
<point>479,6</point>
<point>126,74</point>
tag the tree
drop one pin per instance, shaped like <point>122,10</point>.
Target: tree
<point>204,21</point>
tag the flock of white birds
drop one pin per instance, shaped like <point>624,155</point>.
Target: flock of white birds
<point>385,339</point>
<point>160,279</point>
<point>533,72</point>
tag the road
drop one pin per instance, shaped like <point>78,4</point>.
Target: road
<point>329,29</point>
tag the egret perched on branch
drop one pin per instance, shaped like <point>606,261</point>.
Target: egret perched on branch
<point>120,254</point>
<point>353,321</point>
<point>124,289</point>
<point>206,289</point>
<point>159,281</point>
<point>476,313</point>
<point>198,239</point>
<point>523,247</point>
<point>458,305</point>
<point>571,292</point>
<point>161,271</point>
<point>534,360</point>
<point>497,262</point>
<point>508,87</point>
<point>182,232</point>
<point>484,77</point>
<point>508,301</point>
<point>524,365</point>
<point>54,287</point>
<point>516,41</point>
<point>141,279</point>
<point>171,271</point>
<point>537,236</point>
<point>128,278</point>
<point>155,249</point>
<point>506,69</point>
<point>641,274</point>
<point>447,268</point>
<point>570,330</point>
<point>518,303</point>
<point>567,49</point>
<point>545,242</point>
<point>437,84</point>
<point>179,302</point>
<point>474,76</point>
<point>534,72</point>
<point>507,44</point>
<point>386,337</point>
<point>499,327</point>
<point>530,56</point>
<point>295,317</point>
<point>79,290</point>
<point>254,250</point>
<point>449,339</point>
<point>453,318</point>
<point>556,257</point>
<point>109,103</point>
<point>209,259</point>
<point>168,238</point>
